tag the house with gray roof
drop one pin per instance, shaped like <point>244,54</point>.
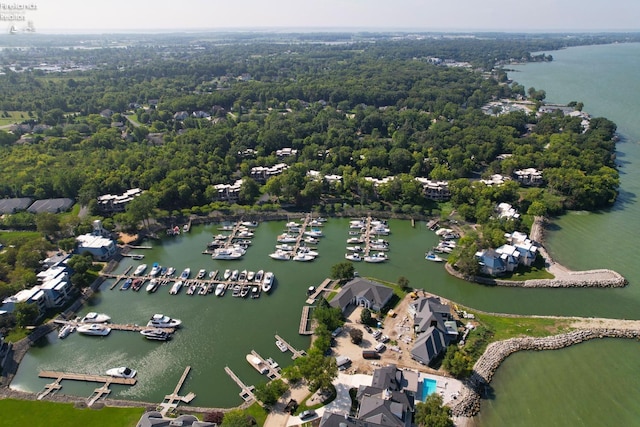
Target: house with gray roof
<point>51,205</point>
<point>155,419</point>
<point>10,206</point>
<point>362,292</point>
<point>434,327</point>
<point>388,402</point>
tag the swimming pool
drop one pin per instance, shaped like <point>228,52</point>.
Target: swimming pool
<point>428,387</point>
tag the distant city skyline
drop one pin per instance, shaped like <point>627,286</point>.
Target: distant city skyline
<point>77,16</point>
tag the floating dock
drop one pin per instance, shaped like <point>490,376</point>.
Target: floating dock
<point>323,286</point>
<point>97,394</point>
<point>304,328</point>
<point>171,400</point>
<point>115,326</point>
<point>296,353</point>
<point>247,391</point>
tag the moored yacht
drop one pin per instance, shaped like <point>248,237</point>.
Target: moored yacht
<point>220,288</point>
<point>259,275</point>
<point>175,289</point>
<point>201,273</point>
<point>65,331</point>
<point>162,321</point>
<point>234,275</point>
<point>153,285</point>
<point>227,274</point>
<point>155,334</point>
<point>355,257</point>
<point>170,271</point>
<point>376,258</point>
<point>185,274</point>
<point>122,372</point>
<point>226,253</point>
<point>303,257</point>
<point>257,363</point>
<point>281,346</point>
<point>267,282</point>
<point>281,255</point>
<point>140,269</point>
<point>251,275</point>
<point>95,329</point>
<point>93,317</point>
<point>155,269</point>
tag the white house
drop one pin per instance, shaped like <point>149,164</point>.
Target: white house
<point>101,248</point>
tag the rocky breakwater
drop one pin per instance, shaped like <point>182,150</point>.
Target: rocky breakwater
<point>469,403</point>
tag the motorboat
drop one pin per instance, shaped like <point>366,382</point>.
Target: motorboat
<point>162,321</point>
<point>257,363</point>
<point>226,253</point>
<point>244,291</point>
<point>234,275</point>
<point>292,224</point>
<point>356,224</point>
<point>255,291</point>
<point>65,331</point>
<point>155,334</point>
<point>192,288</point>
<point>93,317</point>
<point>251,275</point>
<point>433,257</point>
<point>153,285</point>
<point>136,284</point>
<point>285,247</point>
<point>267,282</point>
<point>95,329</point>
<point>316,223</point>
<point>311,240</point>
<point>243,276</point>
<point>228,227</point>
<point>203,289</point>
<point>307,251</point>
<point>213,274</point>
<point>355,257</point>
<point>175,289</point>
<point>201,273</point>
<point>258,277</point>
<point>252,224</point>
<point>163,271</point>
<point>354,240</point>
<point>140,270</point>
<point>303,257</point>
<point>236,290</point>
<point>155,269</point>
<point>282,346</point>
<point>122,372</point>
<point>185,274</point>
<point>272,363</point>
<point>355,248</point>
<point>244,242</point>
<point>244,234</point>
<point>227,274</point>
<point>314,232</point>
<point>280,255</point>
<point>286,238</point>
<point>220,288</point>
<point>126,285</point>
<point>378,247</point>
<point>170,271</point>
<point>376,257</point>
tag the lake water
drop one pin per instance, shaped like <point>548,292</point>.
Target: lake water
<point>591,384</point>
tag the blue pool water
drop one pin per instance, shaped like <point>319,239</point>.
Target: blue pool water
<point>428,387</point>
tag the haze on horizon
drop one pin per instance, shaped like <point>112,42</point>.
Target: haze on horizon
<point>78,16</point>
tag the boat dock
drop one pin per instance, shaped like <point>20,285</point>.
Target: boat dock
<point>304,328</point>
<point>300,237</point>
<point>296,353</point>
<point>97,394</point>
<point>272,373</point>
<point>171,401</point>
<point>115,283</point>
<point>247,391</point>
<point>114,326</point>
<point>323,286</point>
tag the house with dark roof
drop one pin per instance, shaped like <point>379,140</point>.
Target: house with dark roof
<point>388,402</point>
<point>362,292</point>
<point>434,327</point>
<point>51,205</point>
<point>10,206</point>
<point>155,419</point>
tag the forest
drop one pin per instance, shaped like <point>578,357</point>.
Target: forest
<point>357,106</point>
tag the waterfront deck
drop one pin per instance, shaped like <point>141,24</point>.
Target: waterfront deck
<point>247,391</point>
<point>304,328</point>
<point>323,286</point>
<point>296,353</point>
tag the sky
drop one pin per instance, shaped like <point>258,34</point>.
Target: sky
<point>91,16</point>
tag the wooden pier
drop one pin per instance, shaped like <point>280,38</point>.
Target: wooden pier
<point>300,237</point>
<point>296,353</point>
<point>97,394</point>
<point>171,400</point>
<point>314,296</point>
<point>247,391</point>
<point>304,321</point>
<point>272,374</point>
<point>115,326</point>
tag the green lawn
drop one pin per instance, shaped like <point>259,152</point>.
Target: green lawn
<point>511,327</point>
<point>9,238</point>
<point>258,413</point>
<point>51,414</point>
<point>14,117</point>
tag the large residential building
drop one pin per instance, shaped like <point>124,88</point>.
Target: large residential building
<point>519,250</point>
<point>101,248</point>
<point>228,192</point>
<point>435,190</point>
<point>434,327</point>
<point>364,293</point>
<point>263,173</point>
<point>529,176</point>
<point>117,202</point>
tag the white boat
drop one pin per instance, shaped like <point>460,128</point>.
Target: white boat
<point>185,274</point>
<point>201,273</point>
<point>375,258</point>
<point>355,248</point>
<point>280,255</point>
<point>162,321</point>
<point>272,363</point>
<point>267,282</point>
<point>122,372</point>
<point>155,334</point>
<point>314,233</point>
<point>155,269</point>
<point>170,271</point>
<point>220,288</point>
<point>251,275</point>
<point>311,240</point>
<point>378,247</point>
<point>258,277</point>
<point>175,289</point>
<point>252,224</point>
<point>93,329</point>
<point>234,275</point>
<point>93,317</point>
<point>257,363</point>
<point>354,240</point>
<point>226,253</point>
<point>303,257</point>
<point>140,269</point>
<point>227,274</point>
<point>307,251</point>
<point>243,276</point>
<point>244,234</point>
<point>356,224</point>
<point>292,224</point>
<point>282,346</point>
<point>286,238</point>
<point>355,257</point>
<point>153,285</point>
<point>65,331</point>
<point>433,257</point>
<point>284,247</point>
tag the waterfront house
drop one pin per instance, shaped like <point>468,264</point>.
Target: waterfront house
<point>491,262</point>
<point>529,176</point>
<point>434,327</point>
<point>435,190</point>
<point>364,293</point>
<point>30,296</point>
<point>51,205</point>
<point>10,206</point>
<point>228,192</point>
<point>101,248</point>
<point>388,402</point>
<point>117,202</point>
<point>155,419</point>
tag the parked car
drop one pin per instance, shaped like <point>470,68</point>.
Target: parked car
<point>383,338</point>
<point>376,333</point>
<point>308,414</point>
<point>367,328</point>
<point>380,347</point>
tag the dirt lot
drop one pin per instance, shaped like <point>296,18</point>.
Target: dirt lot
<point>398,351</point>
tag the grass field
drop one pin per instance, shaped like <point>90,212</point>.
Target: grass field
<point>14,117</point>
<point>51,414</point>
